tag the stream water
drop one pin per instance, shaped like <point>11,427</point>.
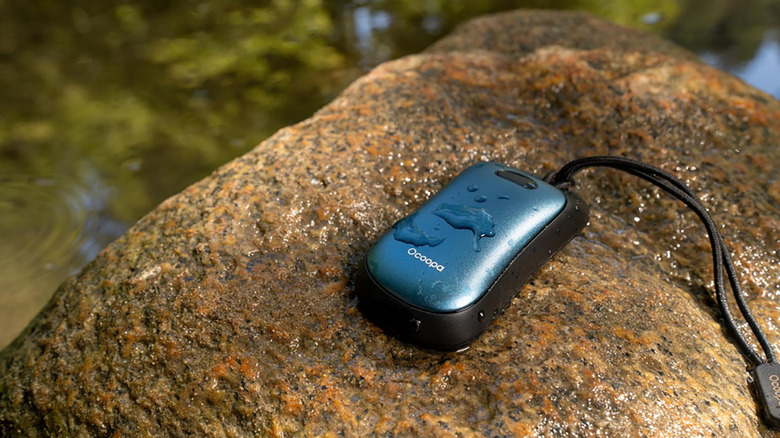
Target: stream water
<point>108,108</point>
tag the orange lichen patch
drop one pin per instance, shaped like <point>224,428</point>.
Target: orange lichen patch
<point>408,162</point>
<point>394,172</point>
<point>450,372</point>
<point>330,398</point>
<point>743,103</point>
<point>553,80</point>
<point>520,429</point>
<point>358,140</point>
<point>524,386</point>
<point>335,287</point>
<point>250,368</point>
<point>171,348</point>
<point>276,429</point>
<point>583,347</point>
<point>571,295</point>
<point>404,426</point>
<point>222,369</point>
<point>292,404</point>
<point>279,334</point>
<point>329,270</point>
<point>229,241</point>
<point>644,338</point>
<point>763,116</point>
<point>393,390</point>
<point>363,370</point>
<point>546,329</point>
<point>478,69</point>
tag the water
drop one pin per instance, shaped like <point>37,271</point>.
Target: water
<point>464,217</point>
<point>460,217</point>
<point>406,231</point>
<point>48,228</point>
<point>107,109</point>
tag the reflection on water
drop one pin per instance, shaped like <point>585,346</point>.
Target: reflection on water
<point>762,71</point>
<point>49,227</point>
<point>107,108</point>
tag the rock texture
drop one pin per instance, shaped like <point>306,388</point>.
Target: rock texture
<point>229,310</point>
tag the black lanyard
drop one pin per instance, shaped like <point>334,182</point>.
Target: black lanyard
<point>767,370</point>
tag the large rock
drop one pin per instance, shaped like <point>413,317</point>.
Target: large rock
<point>229,309</point>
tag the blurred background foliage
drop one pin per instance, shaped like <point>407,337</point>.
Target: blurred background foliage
<point>107,108</point>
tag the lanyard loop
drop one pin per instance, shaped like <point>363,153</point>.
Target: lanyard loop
<point>720,255</point>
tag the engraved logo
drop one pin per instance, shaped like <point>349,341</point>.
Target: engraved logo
<point>775,379</point>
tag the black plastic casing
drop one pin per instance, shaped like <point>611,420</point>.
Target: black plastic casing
<point>455,330</point>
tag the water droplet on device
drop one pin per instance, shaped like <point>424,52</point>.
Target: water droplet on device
<point>503,197</point>
<point>472,188</point>
<point>464,217</point>
<point>480,198</point>
<point>406,231</point>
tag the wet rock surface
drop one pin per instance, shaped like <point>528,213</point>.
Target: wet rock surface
<point>229,309</point>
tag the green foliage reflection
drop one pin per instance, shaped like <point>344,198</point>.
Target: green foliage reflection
<point>120,87</point>
<point>123,88</point>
